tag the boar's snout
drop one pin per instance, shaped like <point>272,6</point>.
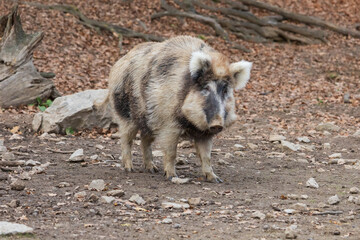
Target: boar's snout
<point>217,124</point>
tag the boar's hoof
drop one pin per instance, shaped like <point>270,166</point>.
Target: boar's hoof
<point>153,169</point>
<point>129,170</point>
<point>211,177</point>
<point>169,176</point>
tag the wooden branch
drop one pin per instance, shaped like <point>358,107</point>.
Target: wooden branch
<point>171,11</point>
<point>302,18</point>
<point>116,30</point>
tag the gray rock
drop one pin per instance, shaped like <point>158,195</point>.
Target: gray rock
<point>107,199</point>
<point>194,201</point>
<point>335,155</point>
<point>8,156</point>
<point>80,195</point>
<point>276,138</point>
<point>300,206</point>
<point>333,200</point>
<point>327,146</point>
<point>7,228</point>
<point>291,146</point>
<point>14,203</point>
<point>3,148</point>
<point>239,216</point>
<point>253,146</point>
<point>354,190</point>
<point>238,147</point>
<point>167,221</point>
<point>177,225</point>
<point>228,155</point>
<point>17,185</point>
<point>179,205</point>
<point>77,156</point>
<point>258,215</point>
<point>312,183</point>
<point>16,137</point>
<point>289,211</point>
<point>222,162</point>
<point>63,184</point>
<point>356,134</point>
<point>290,232</point>
<point>78,111</point>
<point>303,139</point>
<point>116,193</point>
<point>32,163</point>
<point>327,127</point>
<point>178,180</point>
<point>137,199</point>
<point>97,185</point>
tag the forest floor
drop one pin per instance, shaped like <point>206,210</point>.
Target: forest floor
<point>292,90</point>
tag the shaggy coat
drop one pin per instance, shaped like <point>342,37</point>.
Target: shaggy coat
<point>177,87</point>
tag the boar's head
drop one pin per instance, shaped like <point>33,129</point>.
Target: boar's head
<point>209,104</point>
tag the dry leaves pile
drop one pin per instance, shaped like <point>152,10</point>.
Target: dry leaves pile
<point>299,85</point>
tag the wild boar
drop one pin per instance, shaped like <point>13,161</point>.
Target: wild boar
<point>177,87</point>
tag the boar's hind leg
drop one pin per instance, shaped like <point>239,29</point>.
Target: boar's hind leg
<point>168,139</point>
<point>147,153</point>
<point>128,132</point>
<point>203,149</point>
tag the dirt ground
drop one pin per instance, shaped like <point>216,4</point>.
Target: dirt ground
<point>293,89</point>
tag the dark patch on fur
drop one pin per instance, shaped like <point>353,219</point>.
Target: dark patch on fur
<point>202,46</point>
<point>211,106</point>
<point>165,65</point>
<point>122,97</point>
<point>222,89</point>
<point>191,130</point>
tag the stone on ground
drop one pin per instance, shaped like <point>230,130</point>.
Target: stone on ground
<point>97,185</point>
<point>7,228</point>
<point>312,183</point>
<point>77,156</point>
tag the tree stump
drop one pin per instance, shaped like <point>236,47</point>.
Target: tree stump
<point>20,81</point>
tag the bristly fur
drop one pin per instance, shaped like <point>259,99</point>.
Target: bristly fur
<point>166,89</point>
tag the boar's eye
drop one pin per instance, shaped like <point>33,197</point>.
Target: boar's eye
<point>205,90</point>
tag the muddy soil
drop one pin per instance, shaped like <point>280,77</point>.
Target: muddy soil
<point>261,183</point>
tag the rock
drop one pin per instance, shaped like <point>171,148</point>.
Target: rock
<point>258,215</point>
<point>290,145</point>
<point>289,211</point>
<point>16,137</point>
<point>300,207</point>
<point>185,144</point>
<point>93,198</point>
<point>177,225</point>
<point>228,155</point>
<point>94,157</point>
<point>194,201</point>
<point>275,155</point>
<point>252,146</point>
<point>79,111</point>
<point>335,155</point>
<point>238,147</point>
<point>17,185</point>
<point>63,184</point>
<point>327,127</point>
<point>312,183</point>
<point>25,176</point>
<point>333,200</point>
<point>7,228</point>
<point>137,199</point>
<point>97,185</point>
<point>354,190</point>
<point>304,196</point>
<point>178,180</point>
<point>179,205</point>
<point>327,146</point>
<point>303,139</point>
<point>8,156</point>
<point>3,148</point>
<point>32,163</point>
<point>293,196</point>
<point>107,199</point>
<point>167,221</point>
<point>276,138</point>
<point>14,203</point>
<point>77,156</point>
<point>290,232</point>
<point>157,153</point>
<point>80,195</point>
<point>239,216</point>
<point>222,162</point>
<point>356,134</point>
<point>116,193</point>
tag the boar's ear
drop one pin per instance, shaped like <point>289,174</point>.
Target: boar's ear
<point>199,63</point>
<point>241,73</point>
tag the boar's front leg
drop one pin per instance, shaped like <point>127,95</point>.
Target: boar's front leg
<point>168,138</point>
<point>147,153</point>
<point>203,149</point>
